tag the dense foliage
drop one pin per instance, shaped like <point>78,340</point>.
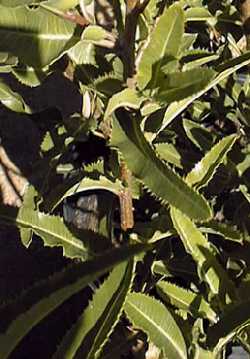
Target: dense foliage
<point>163,150</point>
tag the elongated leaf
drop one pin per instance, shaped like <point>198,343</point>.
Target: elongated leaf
<point>156,321</point>
<point>202,252</point>
<point>50,228</point>
<point>61,4</point>
<point>224,71</point>
<point>15,3</point>
<point>21,315</point>
<point>29,76</point>
<point>222,229</point>
<point>230,324</point>
<point>199,14</point>
<point>205,169</point>
<point>165,40</point>
<point>179,85</point>
<point>126,98</point>
<point>12,100</point>
<point>185,299</point>
<point>36,37</point>
<point>89,333</point>
<point>149,169</point>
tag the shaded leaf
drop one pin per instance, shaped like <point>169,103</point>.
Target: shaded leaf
<point>87,336</point>
<point>149,169</point>
<point>185,299</point>
<point>165,40</point>
<point>12,100</point>
<point>32,306</point>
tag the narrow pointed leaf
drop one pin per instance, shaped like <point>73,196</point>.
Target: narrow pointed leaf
<point>185,299</point>
<point>126,98</point>
<point>32,306</point>
<point>203,254</point>
<point>89,333</point>
<point>156,321</point>
<point>36,37</point>
<point>180,85</point>
<point>51,229</point>
<point>165,40</point>
<point>228,69</point>
<point>152,172</point>
<point>205,169</point>
<point>222,229</point>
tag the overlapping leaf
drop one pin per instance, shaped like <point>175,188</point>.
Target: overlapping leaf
<point>12,100</point>
<point>164,41</point>
<point>154,174</point>
<point>202,252</point>
<point>32,306</point>
<point>90,332</point>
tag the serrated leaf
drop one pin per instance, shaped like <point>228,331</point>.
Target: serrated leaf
<point>224,71</point>
<point>29,76</point>
<point>126,98</point>
<point>199,135</point>
<point>165,40</point>
<point>35,36</point>
<point>205,169</point>
<point>150,170</point>
<point>32,306</point>
<point>12,100</point>
<point>50,228</point>
<point>156,321</point>
<point>180,85</point>
<point>88,335</point>
<point>169,153</point>
<point>185,299</point>
<point>203,254</point>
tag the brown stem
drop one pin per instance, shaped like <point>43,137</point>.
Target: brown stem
<point>245,16</point>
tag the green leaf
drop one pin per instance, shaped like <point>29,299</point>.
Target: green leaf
<point>169,153</point>
<point>157,322</point>
<point>222,229</point>
<point>165,40</point>
<point>125,98</point>
<point>185,299</point>
<point>205,169</point>
<point>203,254</point>
<point>50,228</point>
<point>33,305</point>
<point>35,36</point>
<point>200,14</point>
<point>152,172</point>
<point>88,335</point>
<point>29,76</point>
<point>224,71</point>
<point>179,85</point>
<point>15,3</point>
<point>83,52</point>
<point>61,4</point>
<point>12,100</point>
<point>198,134</point>
<point>231,322</point>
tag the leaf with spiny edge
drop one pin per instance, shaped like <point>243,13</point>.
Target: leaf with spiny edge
<point>141,159</point>
<point>92,178</point>
<point>33,305</point>
<point>126,98</point>
<point>222,229</point>
<point>225,70</point>
<point>91,330</point>
<point>157,322</point>
<point>165,40</point>
<point>50,228</point>
<point>205,169</point>
<point>29,76</point>
<point>108,84</point>
<point>209,268</point>
<point>185,299</point>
